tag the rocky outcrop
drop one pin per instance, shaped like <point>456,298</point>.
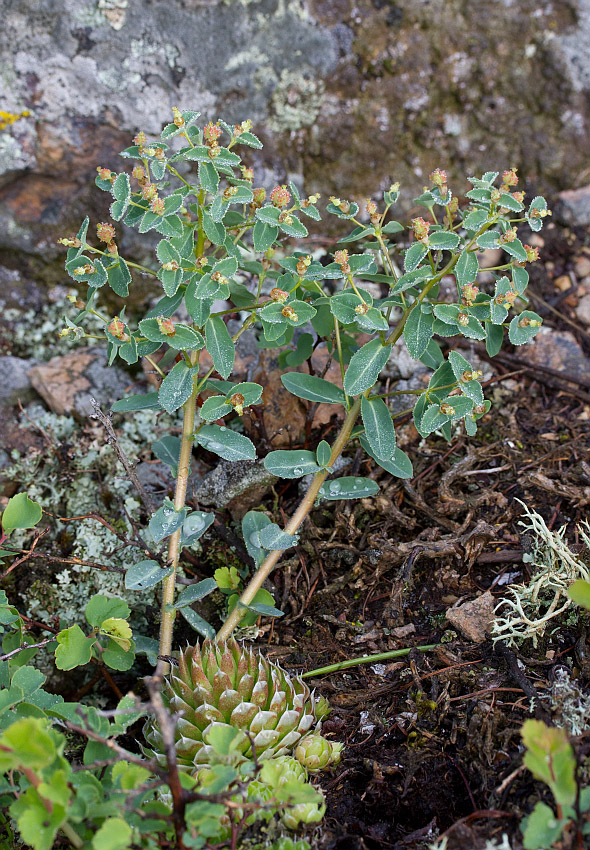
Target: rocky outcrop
<point>348,96</point>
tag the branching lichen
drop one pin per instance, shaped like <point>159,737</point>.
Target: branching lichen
<point>531,608</point>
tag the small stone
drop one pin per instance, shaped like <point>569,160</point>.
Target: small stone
<point>237,486</point>
<point>474,618</point>
<point>582,266</point>
<point>558,350</point>
<point>404,631</point>
<point>67,383</point>
<point>583,310</point>
<point>563,282</point>
<point>14,381</point>
<point>575,206</point>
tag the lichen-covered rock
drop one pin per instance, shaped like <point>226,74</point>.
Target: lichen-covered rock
<point>15,384</point>
<point>347,95</point>
<point>68,383</point>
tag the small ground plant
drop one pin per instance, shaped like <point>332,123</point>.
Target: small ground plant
<point>222,248</point>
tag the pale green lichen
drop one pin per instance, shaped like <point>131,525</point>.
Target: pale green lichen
<point>533,607</point>
<point>296,101</point>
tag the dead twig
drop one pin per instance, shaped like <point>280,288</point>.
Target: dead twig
<point>113,440</point>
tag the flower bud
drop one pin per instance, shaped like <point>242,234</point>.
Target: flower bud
<point>170,266</point>
<point>524,322</point>
<point>117,329</point>
<point>469,293</point>
<point>532,254</point>
<point>469,375</point>
<point>157,206</point>
<point>237,402</point>
<point>509,178</point>
<point>159,153</point>
<point>149,191</point>
<point>421,228</point>
<point>247,173</point>
<point>285,218</point>
<point>86,269</point>
<point>289,313</point>
<point>463,319</point>
<point>105,174</point>
<point>447,409</point>
<point>229,193</point>
<point>70,243</point>
<point>310,201</point>
<point>112,248</point>
<point>166,326</point>
<point>336,202</point>
<point>479,409</point>
<point>345,207</point>
<point>105,231</point>
<point>280,196</point>
<point>510,297</point>
<point>371,207</point>
<point>200,262</point>
<point>140,139</point>
<point>495,195</point>
<point>219,278</point>
<point>509,236</point>
<point>214,150</point>
<point>394,188</point>
<point>361,309</point>
<point>259,196</point>
<point>211,132</point>
<point>315,753</point>
<point>279,295</point>
<point>178,119</point>
<point>438,177</point>
<point>518,196</point>
<point>303,264</point>
<point>138,172</point>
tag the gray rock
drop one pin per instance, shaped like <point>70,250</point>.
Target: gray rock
<point>574,206</point>
<point>14,380</point>
<point>238,486</point>
<point>68,383</point>
<point>474,618</point>
<point>583,310</point>
<point>408,86</point>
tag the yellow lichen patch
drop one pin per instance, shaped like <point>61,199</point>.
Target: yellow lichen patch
<point>8,118</point>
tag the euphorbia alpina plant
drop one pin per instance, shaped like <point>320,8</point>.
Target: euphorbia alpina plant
<point>219,241</point>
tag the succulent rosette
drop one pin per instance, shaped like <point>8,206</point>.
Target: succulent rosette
<point>228,684</point>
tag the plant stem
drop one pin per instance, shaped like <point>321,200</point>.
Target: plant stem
<point>367,659</point>
<point>296,520</point>
<point>186,445</point>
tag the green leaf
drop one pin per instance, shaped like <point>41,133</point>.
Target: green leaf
<point>494,338</point>
<point>195,592</point>
<point>312,388</point>
<point>114,834</point>
<point>515,249</point>
<point>414,255</point>
<point>215,407</point>
<point>399,465</point>
<point>119,277</point>
<point>166,521</point>
<point>264,235</point>
<point>418,331</point>
<point>194,526</point>
<point>145,574</point>
<point>74,648</point>
<point>220,345</point>
<point>100,608</point>
<point>467,268</point>
<point>121,191</point>
<point>273,537</point>
<point>167,449</point>
<point>214,231</point>
<point>208,177</point>
<point>21,512</point>
<point>365,367</point>
<point>147,401</point>
<point>225,443</point>
<point>579,592</point>
<point>550,757</point>
<point>252,523</point>
<point>36,825</point>
<point>391,227</point>
<point>518,334</point>
<point>291,464</point>
<point>443,240</point>
<point>541,828</point>
<point>348,487</point>
<point>196,622</point>
<point>407,281</point>
<point>379,429</point>
<point>323,454</point>
<point>177,387</point>
<point>183,339</point>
